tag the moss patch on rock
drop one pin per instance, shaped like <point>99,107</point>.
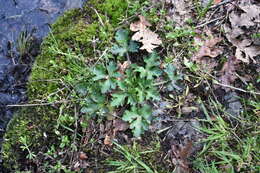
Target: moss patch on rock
<point>77,38</point>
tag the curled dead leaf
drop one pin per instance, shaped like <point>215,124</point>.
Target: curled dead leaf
<point>149,39</point>
<point>242,20</point>
<point>83,156</point>
<point>123,67</point>
<point>120,125</point>
<point>108,140</point>
<point>228,72</point>
<point>208,49</point>
<point>139,25</point>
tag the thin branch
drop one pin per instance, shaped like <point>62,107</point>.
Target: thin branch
<point>213,20</point>
<point>221,3</point>
<point>238,89</point>
<point>42,104</point>
<point>100,19</point>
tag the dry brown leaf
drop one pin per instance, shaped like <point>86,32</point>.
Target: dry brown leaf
<point>245,49</point>
<point>179,11</point>
<point>108,140</point>
<point>123,67</point>
<point>217,1</point>
<point>139,25</point>
<point>149,39</point>
<point>83,156</point>
<point>228,72</point>
<point>208,49</point>
<point>180,157</point>
<point>251,10</point>
<point>238,33</point>
<point>242,20</point>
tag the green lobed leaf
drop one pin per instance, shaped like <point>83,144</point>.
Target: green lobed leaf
<point>139,119</point>
<point>118,99</point>
<point>151,68</point>
<point>122,37</point>
<point>112,70</point>
<point>170,70</point>
<point>133,46</point>
<point>123,44</point>
<point>100,72</point>
<point>117,50</point>
<point>106,86</point>
<point>137,126</point>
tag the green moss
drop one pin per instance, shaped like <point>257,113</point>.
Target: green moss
<point>114,9</point>
<point>26,122</point>
<point>65,55</point>
<point>74,33</point>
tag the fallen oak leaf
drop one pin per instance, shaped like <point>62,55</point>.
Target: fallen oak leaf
<point>245,49</point>
<point>208,49</point>
<point>228,72</point>
<point>244,53</point>
<point>119,126</point>
<point>149,39</point>
<point>139,25</point>
<point>241,21</point>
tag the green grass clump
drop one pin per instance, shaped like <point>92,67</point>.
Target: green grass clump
<point>231,145</point>
<point>137,158</point>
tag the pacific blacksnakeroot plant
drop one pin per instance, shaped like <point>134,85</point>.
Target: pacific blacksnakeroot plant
<point>107,90</point>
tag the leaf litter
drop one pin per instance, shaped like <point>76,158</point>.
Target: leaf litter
<point>228,72</point>
<point>208,51</point>
<point>179,11</point>
<point>244,19</point>
<point>148,38</point>
<point>182,136</point>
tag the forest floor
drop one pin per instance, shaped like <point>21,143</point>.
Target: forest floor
<point>148,86</point>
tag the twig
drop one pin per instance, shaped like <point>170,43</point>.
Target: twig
<point>238,89</point>
<point>123,22</point>
<point>100,19</point>
<point>221,3</point>
<point>206,23</point>
<point>75,132</point>
<point>42,104</point>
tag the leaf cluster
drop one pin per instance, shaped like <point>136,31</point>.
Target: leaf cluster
<point>138,85</point>
<point>107,90</point>
<point>110,89</point>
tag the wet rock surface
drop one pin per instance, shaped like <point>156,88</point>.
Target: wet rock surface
<point>16,16</point>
